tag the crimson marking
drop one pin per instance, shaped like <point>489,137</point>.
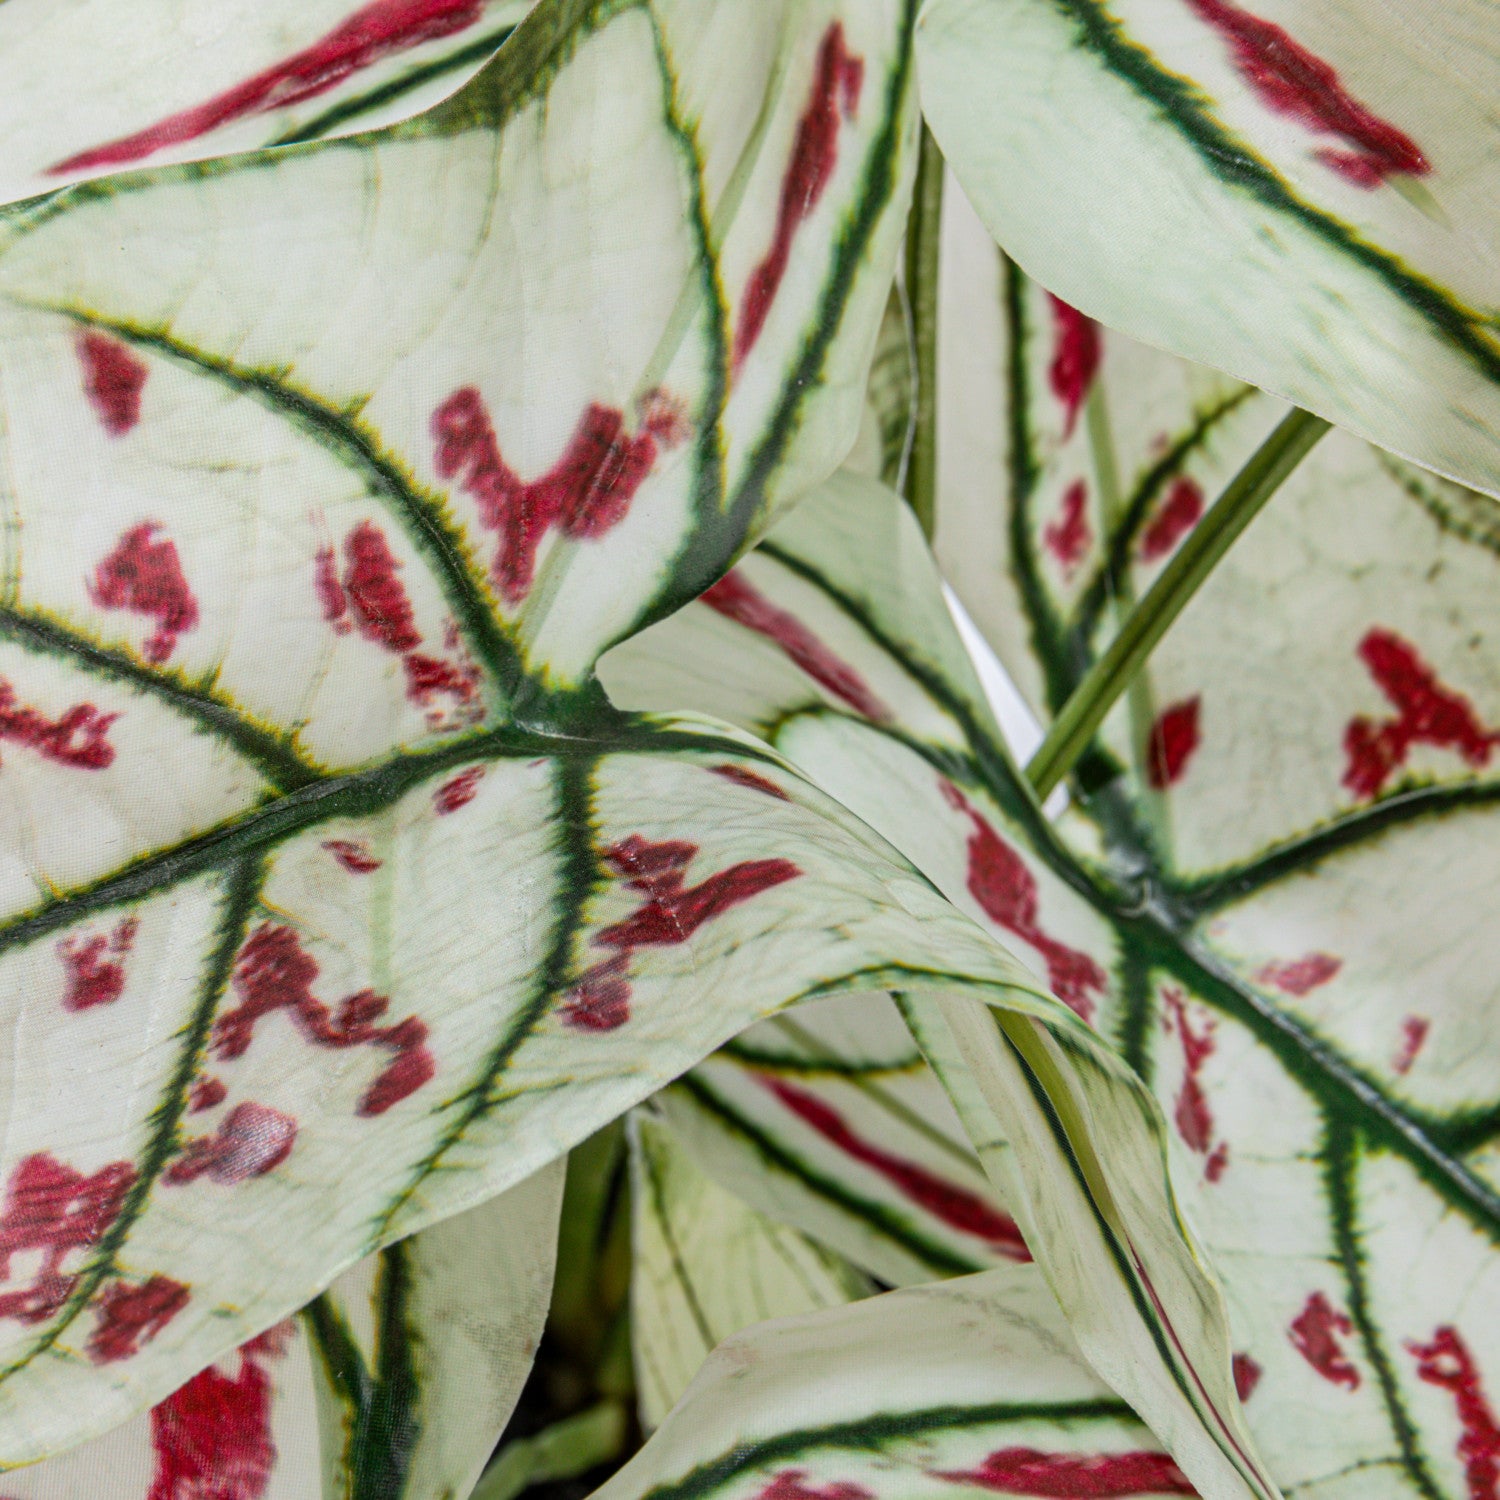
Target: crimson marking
<point>77,738</point>
<point>1076,356</point>
<point>1174,738</point>
<point>670,914</point>
<point>457,791</point>
<point>1068,537</point>
<point>585,494</point>
<point>1092,1476</point>
<point>373,32</point>
<point>954,1206</point>
<point>1293,81</point>
<point>1177,516</point>
<point>145,577</point>
<point>1414,1031</point>
<point>744,776</point>
<point>93,978</point>
<point>1192,1113</point>
<point>206,1093</point>
<point>1003,886</point>
<point>837,82</point>
<point>1427,713</point>
<point>1315,1333</point>
<point>737,599</point>
<point>112,380</point>
<point>353,855</point>
<point>130,1316</point>
<point>251,1140</point>
<point>788,1485</point>
<point>1299,976</point>
<point>273,973</point>
<point>375,592</point>
<point>1247,1375</point>
<point>1447,1363</point>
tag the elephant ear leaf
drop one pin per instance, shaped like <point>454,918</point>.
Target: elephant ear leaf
<point>1310,191</point>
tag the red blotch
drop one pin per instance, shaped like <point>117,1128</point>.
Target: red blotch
<point>376,594</point>
<point>207,1092</point>
<point>1315,1333</point>
<point>1173,739</point>
<point>743,776</point>
<point>1447,1363</point>
<point>1177,516</point>
<point>331,593</point>
<point>457,791</point>
<point>1299,976</point>
<point>112,380</point>
<point>737,599</point>
<point>788,1485</point>
<point>355,857</point>
<point>1217,1163</point>
<point>1075,359</point>
<point>274,973</point>
<point>130,1316</point>
<point>373,32</point>
<point>1068,537</point>
<point>955,1206</point>
<point>1000,882</point>
<point>1426,714</point>
<point>584,494</point>
<point>93,977</point>
<point>1414,1031</point>
<point>1074,1476</point>
<point>1194,1117</point>
<point>1297,83</point>
<point>53,1209</point>
<point>1247,1375</point>
<point>250,1141</point>
<point>145,577</point>
<point>670,914</point>
<point>212,1438</point>
<point>837,82</point>
<point>78,737</point>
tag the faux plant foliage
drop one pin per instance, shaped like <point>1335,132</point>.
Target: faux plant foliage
<point>1311,189</point>
<point>266,538</point>
<point>397,1380</point>
<point>97,86</point>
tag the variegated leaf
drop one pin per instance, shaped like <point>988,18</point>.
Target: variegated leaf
<point>705,1266</point>
<point>1302,195</point>
<point>972,1386</point>
<point>397,1380</point>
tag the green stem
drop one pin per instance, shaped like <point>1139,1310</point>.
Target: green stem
<point>1082,714</point>
<point>922,253</point>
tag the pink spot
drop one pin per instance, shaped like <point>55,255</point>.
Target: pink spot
<point>586,493</point>
<point>1426,714</point>
<point>354,856</point>
<point>744,776</point>
<point>212,1437</point>
<point>55,1210</point>
<point>370,34</point>
<point>1414,1031</point>
<point>1075,359</point>
<point>1194,1117</point>
<point>250,1141</point>
<point>1174,737</point>
<point>330,591</point>
<point>130,1316</point>
<point>457,791</point>
<point>1217,1163</point>
<point>1069,1476</point>
<point>145,577</point>
<point>77,738</point>
<point>273,973</point>
<point>376,594</point>
<point>1297,83</point>
<point>670,914</point>
<point>1299,976</point>
<point>207,1092</point>
<point>112,380</point>
<point>1247,1375</point>
<point>1068,537</point>
<point>1177,516</point>
<point>835,97</point>
<point>93,978</point>
<point>737,599</point>
<point>1000,882</point>
<point>954,1206</point>
<point>788,1485</point>
<point>1315,1333</point>
<point>1447,1363</point>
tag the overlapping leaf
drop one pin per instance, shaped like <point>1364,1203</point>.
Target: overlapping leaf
<point>1300,195</point>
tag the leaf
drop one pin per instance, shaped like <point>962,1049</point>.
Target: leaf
<point>410,1362</point>
<point>828,1118</point>
<point>705,1266</point>
<point>969,1386</point>
<point>833,640</point>
<point>1334,170</point>
<point>100,86</point>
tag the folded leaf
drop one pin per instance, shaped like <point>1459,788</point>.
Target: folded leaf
<point>1303,196</point>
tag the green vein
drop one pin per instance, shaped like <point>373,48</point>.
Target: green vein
<point>386,1430</point>
<point>765,1060</point>
<point>657,1196</point>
